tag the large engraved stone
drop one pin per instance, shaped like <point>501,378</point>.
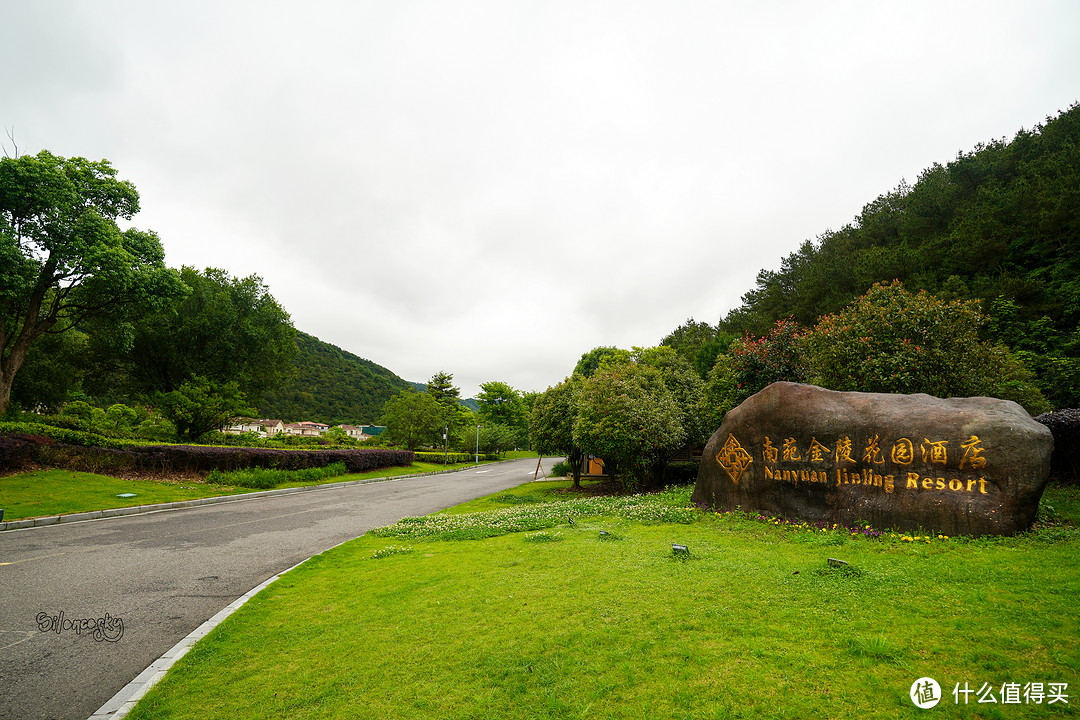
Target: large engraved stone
<point>962,466</point>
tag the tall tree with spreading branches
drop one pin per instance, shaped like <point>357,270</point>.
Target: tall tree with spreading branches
<point>64,258</point>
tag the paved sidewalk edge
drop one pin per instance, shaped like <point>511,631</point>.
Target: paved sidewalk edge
<point>123,701</point>
<point>138,509</point>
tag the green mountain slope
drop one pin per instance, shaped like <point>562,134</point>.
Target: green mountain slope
<point>1000,224</point>
<point>331,385</point>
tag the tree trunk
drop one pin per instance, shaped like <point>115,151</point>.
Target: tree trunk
<point>8,367</point>
<point>575,461</point>
<point>5,391</point>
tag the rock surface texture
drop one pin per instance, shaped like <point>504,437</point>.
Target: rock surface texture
<point>961,466</point>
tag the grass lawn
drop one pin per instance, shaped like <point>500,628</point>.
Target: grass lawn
<point>59,492</point>
<point>558,620</point>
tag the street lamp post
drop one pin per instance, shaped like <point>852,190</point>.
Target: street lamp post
<point>478,445</point>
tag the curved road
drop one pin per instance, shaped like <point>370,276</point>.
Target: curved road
<point>164,573</point>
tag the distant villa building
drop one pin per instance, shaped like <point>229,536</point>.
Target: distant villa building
<point>270,428</point>
<point>305,428</point>
<point>262,428</point>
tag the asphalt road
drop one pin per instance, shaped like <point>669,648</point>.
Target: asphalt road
<point>162,574</point>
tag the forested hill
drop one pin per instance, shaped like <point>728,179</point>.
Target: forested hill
<point>331,385</point>
<point>1000,223</point>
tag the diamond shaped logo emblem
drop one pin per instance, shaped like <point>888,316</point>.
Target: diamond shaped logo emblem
<point>733,458</point>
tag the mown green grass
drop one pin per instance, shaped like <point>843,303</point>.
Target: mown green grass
<point>567,623</point>
<point>60,492</point>
<point>529,493</point>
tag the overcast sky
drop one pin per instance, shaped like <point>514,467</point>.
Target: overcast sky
<point>494,188</point>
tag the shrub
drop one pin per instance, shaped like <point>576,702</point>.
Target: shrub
<point>560,469</point>
<point>264,478</point>
<point>89,452</point>
<point>441,458</point>
<point>893,341</point>
<point>17,449</point>
<point>1065,425</point>
<point>62,435</point>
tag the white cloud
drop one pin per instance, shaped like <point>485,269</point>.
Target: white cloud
<point>494,188</point>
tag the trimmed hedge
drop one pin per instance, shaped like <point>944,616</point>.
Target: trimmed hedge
<point>63,435</point>
<point>1065,426</point>
<point>201,458</point>
<point>264,479</point>
<point>18,449</point>
<point>454,457</point>
<point>58,448</point>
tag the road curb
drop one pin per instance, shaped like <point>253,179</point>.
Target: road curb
<point>128,696</point>
<point>47,520</point>
<point>120,704</point>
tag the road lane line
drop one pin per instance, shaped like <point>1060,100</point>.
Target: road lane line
<point>42,557</point>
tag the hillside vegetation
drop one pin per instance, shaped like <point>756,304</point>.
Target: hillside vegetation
<point>331,385</point>
<point>999,224</point>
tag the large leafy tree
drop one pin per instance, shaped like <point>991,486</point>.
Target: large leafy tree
<point>687,389</point>
<point>64,258</point>
<point>411,418</point>
<point>199,406</point>
<point>551,423</point>
<point>51,372</point>
<point>455,417</point>
<point>501,404</point>
<point>591,361</point>
<point>226,329</point>
<point>627,416</point>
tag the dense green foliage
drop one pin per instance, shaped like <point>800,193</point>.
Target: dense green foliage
<point>551,423</point>
<point>891,340</point>
<point>266,478</point>
<point>200,406</point>
<point>888,340</point>
<point>699,344</point>
<point>1000,225</point>
<point>628,416</point>
<point>64,259</point>
<point>332,386</point>
<point>636,410</point>
<point>411,418</point>
<point>227,329</point>
<point>495,438</point>
<point>502,405</point>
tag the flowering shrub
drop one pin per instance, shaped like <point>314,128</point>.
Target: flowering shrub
<point>890,340</point>
<point>757,362</point>
<point>751,364</point>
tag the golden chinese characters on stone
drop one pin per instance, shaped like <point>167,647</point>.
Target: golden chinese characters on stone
<point>956,466</point>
